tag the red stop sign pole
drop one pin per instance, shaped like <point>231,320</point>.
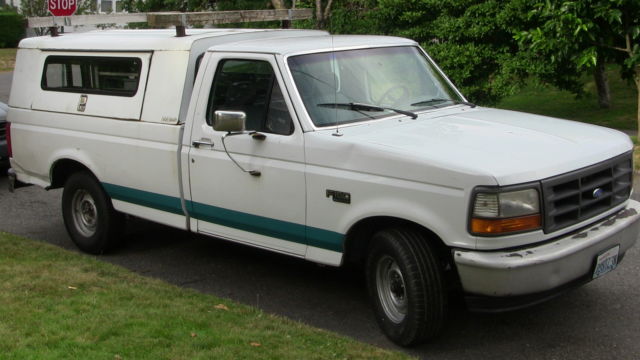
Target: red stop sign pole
<point>62,7</point>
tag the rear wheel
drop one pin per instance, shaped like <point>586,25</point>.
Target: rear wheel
<point>92,223</point>
<point>405,285</point>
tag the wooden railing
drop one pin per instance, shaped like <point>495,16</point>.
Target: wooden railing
<point>178,19</point>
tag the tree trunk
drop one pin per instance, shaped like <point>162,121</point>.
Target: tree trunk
<point>322,15</point>
<point>278,4</point>
<point>602,84</point>
<point>319,15</point>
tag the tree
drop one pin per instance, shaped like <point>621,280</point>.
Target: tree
<point>352,17</point>
<point>322,14</point>
<point>472,40</point>
<point>584,32</point>
<point>278,4</point>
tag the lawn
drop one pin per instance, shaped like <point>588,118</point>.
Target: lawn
<point>547,100</point>
<point>57,304</point>
<point>7,59</point>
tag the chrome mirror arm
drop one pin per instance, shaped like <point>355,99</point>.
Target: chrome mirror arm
<point>224,146</point>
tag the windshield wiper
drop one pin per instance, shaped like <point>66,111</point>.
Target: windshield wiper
<point>366,107</point>
<point>437,100</point>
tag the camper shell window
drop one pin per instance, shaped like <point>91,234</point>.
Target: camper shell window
<point>104,75</point>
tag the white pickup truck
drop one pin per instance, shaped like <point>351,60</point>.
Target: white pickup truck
<point>327,148</point>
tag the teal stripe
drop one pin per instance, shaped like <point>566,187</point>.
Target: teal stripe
<point>252,223</point>
<point>157,201</point>
<point>284,230</point>
<point>325,239</point>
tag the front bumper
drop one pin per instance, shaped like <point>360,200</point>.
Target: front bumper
<point>548,268</point>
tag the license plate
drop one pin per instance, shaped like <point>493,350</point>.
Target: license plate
<point>606,261</point>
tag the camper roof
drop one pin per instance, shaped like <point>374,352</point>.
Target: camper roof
<point>147,40</point>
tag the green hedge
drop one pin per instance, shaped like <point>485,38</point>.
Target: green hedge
<point>11,29</point>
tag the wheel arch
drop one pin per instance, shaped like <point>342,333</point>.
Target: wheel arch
<point>63,168</point>
<point>359,234</point>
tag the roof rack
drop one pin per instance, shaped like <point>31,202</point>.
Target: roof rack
<point>178,19</point>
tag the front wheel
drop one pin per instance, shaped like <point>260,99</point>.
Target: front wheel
<point>92,223</point>
<point>405,284</point>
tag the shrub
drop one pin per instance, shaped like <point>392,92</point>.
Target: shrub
<point>12,29</point>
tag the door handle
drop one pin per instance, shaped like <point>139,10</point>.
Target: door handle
<point>197,143</point>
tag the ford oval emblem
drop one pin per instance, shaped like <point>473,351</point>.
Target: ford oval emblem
<point>598,192</point>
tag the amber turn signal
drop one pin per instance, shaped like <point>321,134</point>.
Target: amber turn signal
<point>504,226</point>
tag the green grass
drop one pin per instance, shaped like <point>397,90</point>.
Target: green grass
<point>546,100</point>
<point>7,59</point>
<point>55,304</point>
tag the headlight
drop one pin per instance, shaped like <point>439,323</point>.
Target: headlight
<point>503,212</point>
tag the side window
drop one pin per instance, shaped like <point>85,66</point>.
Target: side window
<point>250,86</point>
<point>118,76</point>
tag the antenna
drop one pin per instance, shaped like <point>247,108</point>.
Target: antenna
<point>334,62</point>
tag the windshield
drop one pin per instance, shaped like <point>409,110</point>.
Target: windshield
<point>357,85</point>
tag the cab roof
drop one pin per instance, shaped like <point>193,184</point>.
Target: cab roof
<point>312,43</point>
<point>149,40</point>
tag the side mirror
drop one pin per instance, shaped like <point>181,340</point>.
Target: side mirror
<point>229,121</point>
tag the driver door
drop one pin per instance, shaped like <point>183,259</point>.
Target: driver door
<point>267,210</point>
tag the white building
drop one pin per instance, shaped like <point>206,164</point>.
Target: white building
<point>108,6</point>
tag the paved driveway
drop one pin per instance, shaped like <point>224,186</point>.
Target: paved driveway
<point>5,85</point>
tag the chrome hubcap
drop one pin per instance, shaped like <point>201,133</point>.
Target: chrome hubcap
<point>391,289</point>
<point>85,214</point>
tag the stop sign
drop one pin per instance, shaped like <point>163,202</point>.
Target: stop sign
<point>62,7</point>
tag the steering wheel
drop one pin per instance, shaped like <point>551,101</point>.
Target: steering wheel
<point>394,95</point>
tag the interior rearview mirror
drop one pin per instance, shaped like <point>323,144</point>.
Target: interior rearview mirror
<point>230,121</point>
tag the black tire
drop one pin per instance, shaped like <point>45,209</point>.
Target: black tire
<point>406,287</point>
<point>92,223</point>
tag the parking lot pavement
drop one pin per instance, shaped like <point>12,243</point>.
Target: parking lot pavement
<point>5,85</point>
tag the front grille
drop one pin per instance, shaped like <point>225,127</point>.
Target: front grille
<point>576,196</point>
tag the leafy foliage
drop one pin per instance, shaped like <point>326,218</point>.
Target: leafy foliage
<point>349,17</point>
<point>34,8</point>
<point>11,29</point>
<point>194,5</point>
<point>203,5</point>
<point>470,39</point>
<point>580,31</point>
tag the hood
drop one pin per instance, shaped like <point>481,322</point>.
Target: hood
<point>510,147</point>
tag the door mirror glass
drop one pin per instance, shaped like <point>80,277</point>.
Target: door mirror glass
<point>230,121</point>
